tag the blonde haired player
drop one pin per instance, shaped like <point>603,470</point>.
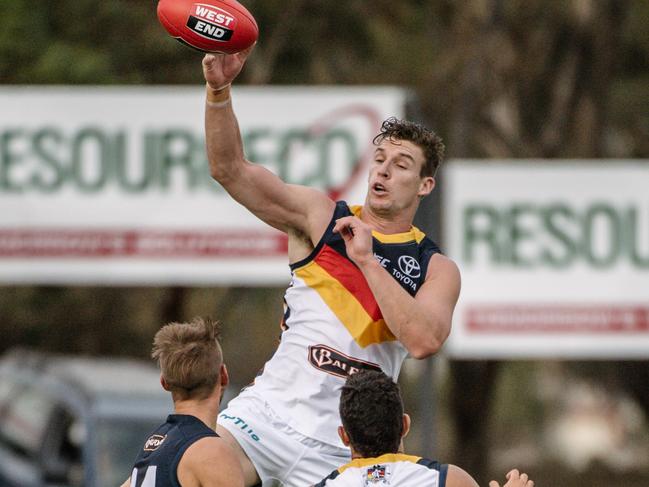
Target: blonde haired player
<point>367,290</point>
<point>185,450</point>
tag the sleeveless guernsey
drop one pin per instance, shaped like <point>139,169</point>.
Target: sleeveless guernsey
<point>391,469</point>
<point>157,463</point>
<point>333,327</point>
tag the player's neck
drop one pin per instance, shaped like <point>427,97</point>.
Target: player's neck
<point>387,224</point>
<point>205,409</point>
<point>356,455</point>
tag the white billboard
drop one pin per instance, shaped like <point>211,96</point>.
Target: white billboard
<point>554,258</point>
<point>111,185</point>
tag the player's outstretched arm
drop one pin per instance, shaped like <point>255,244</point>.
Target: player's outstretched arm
<point>209,462</point>
<point>422,323</point>
<point>283,206</point>
<point>456,477</point>
<point>514,479</point>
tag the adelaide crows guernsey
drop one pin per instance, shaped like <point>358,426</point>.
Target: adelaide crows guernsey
<point>391,469</point>
<point>333,327</point>
<point>157,463</point>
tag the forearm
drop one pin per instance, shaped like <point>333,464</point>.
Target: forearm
<point>222,135</point>
<point>421,333</point>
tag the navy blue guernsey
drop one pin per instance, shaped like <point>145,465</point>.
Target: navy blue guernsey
<point>405,256</point>
<point>157,463</point>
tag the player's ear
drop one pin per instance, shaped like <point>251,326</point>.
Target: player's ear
<point>225,378</point>
<point>163,383</point>
<point>406,425</point>
<point>344,437</point>
<point>426,186</point>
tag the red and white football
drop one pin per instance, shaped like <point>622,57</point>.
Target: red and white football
<point>209,25</point>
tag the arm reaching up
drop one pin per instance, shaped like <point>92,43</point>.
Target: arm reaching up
<point>283,206</point>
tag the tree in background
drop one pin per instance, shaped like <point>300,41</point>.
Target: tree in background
<point>496,78</point>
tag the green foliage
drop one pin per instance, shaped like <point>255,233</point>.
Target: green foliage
<point>542,61</point>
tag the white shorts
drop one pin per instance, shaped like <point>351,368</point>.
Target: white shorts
<point>281,455</point>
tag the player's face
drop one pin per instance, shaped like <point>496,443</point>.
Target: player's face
<point>395,181</point>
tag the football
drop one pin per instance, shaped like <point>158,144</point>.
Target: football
<point>223,26</point>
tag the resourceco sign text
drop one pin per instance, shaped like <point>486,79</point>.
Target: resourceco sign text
<point>90,159</point>
<point>560,234</point>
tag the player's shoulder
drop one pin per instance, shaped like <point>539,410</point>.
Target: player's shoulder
<point>208,447</point>
<point>318,207</point>
<point>457,477</point>
<point>211,458</point>
<point>316,199</point>
<point>442,266</point>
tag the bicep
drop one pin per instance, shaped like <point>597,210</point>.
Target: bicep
<point>441,290</point>
<point>281,205</point>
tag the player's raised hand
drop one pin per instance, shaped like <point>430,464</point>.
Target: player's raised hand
<point>514,479</point>
<point>358,238</point>
<point>221,69</point>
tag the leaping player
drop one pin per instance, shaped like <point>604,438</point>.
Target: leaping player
<point>346,308</point>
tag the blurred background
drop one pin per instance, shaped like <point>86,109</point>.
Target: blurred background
<point>544,204</point>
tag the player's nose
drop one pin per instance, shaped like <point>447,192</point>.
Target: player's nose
<point>384,169</point>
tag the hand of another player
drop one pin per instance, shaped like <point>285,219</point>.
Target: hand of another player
<point>221,69</point>
<point>358,239</point>
<point>514,479</point>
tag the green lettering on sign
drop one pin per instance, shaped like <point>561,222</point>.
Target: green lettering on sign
<point>481,225</point>
<point>9,157</point>
<point>90,144</point>
<point>605,218</point>
<point>47,144</point>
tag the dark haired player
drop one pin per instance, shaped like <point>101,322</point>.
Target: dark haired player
<point>185,450</point>
<point>367,290</point>
<point>373,426</point>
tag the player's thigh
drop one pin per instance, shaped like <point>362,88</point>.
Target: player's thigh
<point>249,473</point>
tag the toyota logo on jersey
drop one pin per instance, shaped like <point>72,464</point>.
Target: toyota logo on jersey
<point>409,266</point>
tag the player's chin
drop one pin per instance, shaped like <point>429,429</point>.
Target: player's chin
<point>380,205</point>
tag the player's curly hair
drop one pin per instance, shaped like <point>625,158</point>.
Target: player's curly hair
<point>431,144</point>
<point>371,411</point>
<point>189,356</point>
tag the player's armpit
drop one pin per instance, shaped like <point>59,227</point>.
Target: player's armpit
<point>456,477</point>
<point>209,462</point>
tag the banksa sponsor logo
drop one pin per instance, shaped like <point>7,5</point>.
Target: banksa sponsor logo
<point>333,362</point>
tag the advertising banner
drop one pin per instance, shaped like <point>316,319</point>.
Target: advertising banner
<point>554,258</point>
<point>111,185</point>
